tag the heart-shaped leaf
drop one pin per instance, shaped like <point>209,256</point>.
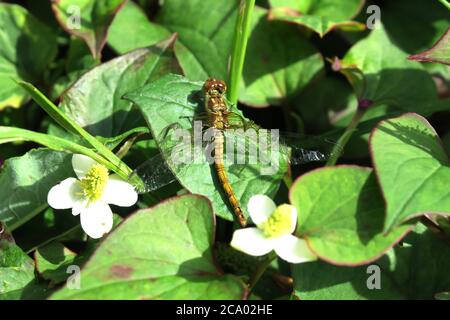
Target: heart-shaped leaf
<point>412,167</point>
<point>27,46</point>
<point>273,71</point>
<point>95,100</point>
<point>320,16</point>
<point>380,73</point>
<point>440,52</point>
<point>341,215</point>
<point>173,100</point>
<point>164,252</point>
<point>87,19</point>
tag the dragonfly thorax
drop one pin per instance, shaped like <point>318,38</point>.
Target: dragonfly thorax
<point>216,105</point>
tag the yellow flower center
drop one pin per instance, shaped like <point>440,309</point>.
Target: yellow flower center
<point>94,182</point>
<point>279,223</point>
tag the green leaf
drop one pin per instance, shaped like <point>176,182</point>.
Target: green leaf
<point>106,157</point>
<point>78,61</point>
<point>324,8</point>
<point>25,182</point>
<point>341,215</point>
<point>320,16</point>
<point>379,72</point>
<point>416,269</point>
<point>131,30</point>
<point>412,167</point>
<point>421,264</point>
<point>16,268</point>
<point>323,112</point>
<point>95,100</point>
<point>175,99</point>
<point>322,281</point>
<point>87,19</point>
<point>203,46</point>
<point>26,49</point>
<point>160,253</point>
<point>78,56</point>
<point>110,142</point>
<point>440,52</point>
<point>414,25</point>
<point>49,225</point>
<point>273,71</point>
<point>53,260</point>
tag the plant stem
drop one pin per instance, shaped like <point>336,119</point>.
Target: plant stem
<point>106,156</point>
<point>445,3</point>
<point>241,34</point>
<point>260,270</point>
<point>337,149</point>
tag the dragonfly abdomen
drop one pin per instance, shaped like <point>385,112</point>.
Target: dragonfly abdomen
<point>223,178</point>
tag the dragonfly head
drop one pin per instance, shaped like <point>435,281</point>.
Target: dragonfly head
<point>214,87</point>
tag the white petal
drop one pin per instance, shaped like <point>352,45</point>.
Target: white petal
<point>97,219</point>
<point>293,218</point>
<point>260,208</point>
<point>81,164</point>
<point>251,241</point>
<point>64,195</point>
<point>79,206</point>
<point>293,249</point>
<point>119,192</point>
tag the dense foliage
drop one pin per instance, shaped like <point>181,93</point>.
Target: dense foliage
<point>372,76</point>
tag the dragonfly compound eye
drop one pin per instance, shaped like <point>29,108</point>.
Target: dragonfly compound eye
<point>215,86</point>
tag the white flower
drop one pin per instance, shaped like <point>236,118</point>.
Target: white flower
<point>90,194</point>
<point>275,226</point>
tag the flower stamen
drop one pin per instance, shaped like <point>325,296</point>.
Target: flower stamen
<point>279,223</point>
<point>94,182</point>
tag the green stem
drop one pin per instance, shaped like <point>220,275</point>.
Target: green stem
<point>13,134</point>
<point>260,270</point>
<point>63,120</point>
<point>445,3</point>
<point>337,149</point>
<point>241,34</point>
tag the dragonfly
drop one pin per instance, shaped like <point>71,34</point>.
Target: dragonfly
<point>227,141</point>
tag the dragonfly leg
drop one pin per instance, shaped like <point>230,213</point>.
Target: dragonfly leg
<point>165,132</point>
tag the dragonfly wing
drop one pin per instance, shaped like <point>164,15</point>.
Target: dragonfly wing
<point>154,174</point>
<point>305,148</point>
<point>249,149</point>
<point>173,161</point>
<point>236,120</point>
<point>267,146</point>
